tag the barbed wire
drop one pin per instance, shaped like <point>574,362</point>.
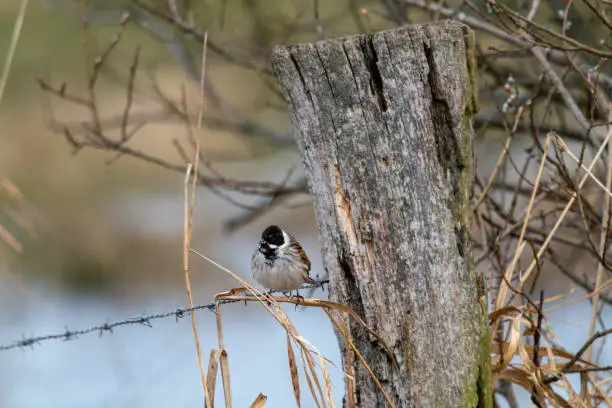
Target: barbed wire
<point>140,320</point>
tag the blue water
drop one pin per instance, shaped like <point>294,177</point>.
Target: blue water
<point>137,366</point>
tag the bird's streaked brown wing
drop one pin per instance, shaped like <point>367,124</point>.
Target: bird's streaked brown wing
<point>298,248</point>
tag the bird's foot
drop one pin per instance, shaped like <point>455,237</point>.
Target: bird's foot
<point>269,295</point>
<point>298,297</point>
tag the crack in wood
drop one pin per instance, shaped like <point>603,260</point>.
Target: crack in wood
<point>376,81</point>
<point>447,145</point>
<point>301,76</point>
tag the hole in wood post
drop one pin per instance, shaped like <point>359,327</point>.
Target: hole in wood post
<point>385,162</point>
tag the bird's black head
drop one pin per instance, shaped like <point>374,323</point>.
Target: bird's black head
<point>273,235</point>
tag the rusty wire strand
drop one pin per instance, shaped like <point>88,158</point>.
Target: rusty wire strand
<point>144,320</point>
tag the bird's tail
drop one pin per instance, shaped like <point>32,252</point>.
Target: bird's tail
<point>311,281</point>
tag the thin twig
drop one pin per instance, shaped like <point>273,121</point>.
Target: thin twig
<point>561,217</point>
<point>603,239</point>
<point>570,364</point>
<point>12,47</point>
<point>503,290</point>
<point>567,97</point>
<point>125,135</point>
<point>186,246</point>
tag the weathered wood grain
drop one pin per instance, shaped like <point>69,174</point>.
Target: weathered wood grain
<point>383,123</point>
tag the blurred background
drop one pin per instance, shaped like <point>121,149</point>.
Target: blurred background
<point>91,188</point>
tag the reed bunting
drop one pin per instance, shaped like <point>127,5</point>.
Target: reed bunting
<point>279,262</point>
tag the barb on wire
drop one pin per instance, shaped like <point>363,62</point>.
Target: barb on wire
<point>140,320</point>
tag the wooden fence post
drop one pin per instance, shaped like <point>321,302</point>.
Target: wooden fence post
<point>383,123</point>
